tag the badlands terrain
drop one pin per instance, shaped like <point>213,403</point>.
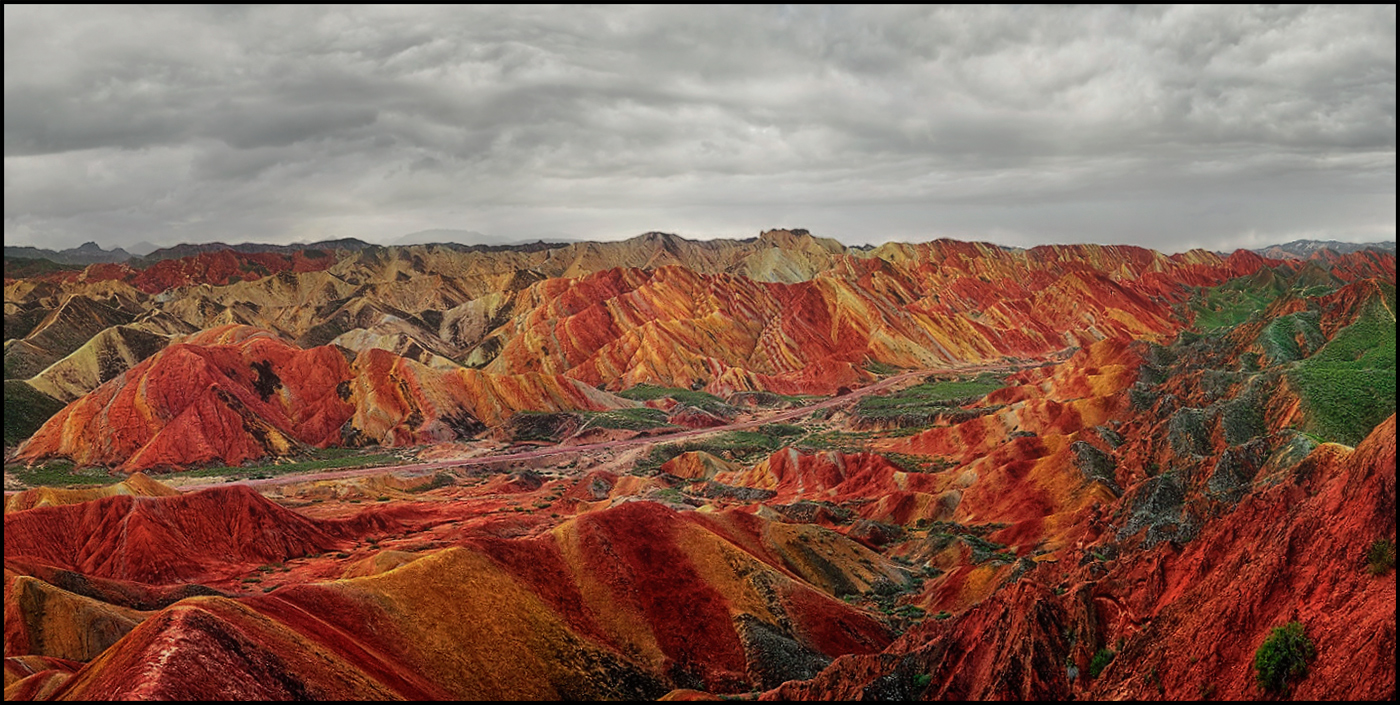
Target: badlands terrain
<point>775,468</point>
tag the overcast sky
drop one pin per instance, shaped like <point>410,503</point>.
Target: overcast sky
<point>1167,127</point>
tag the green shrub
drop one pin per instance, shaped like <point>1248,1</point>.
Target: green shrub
<point>922,680</point>
<point>59,473</point>
<point>699,400</point>
<point>1380,558</point>
<point>883,369</point>
<point>921,404</point>
<point>1282,657</point>
<point>783,430</point>
<point>639,419</point>
<point>1100,662</point>
<point>745,446</point>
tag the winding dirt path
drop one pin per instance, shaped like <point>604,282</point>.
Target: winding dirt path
<point>778,417</point>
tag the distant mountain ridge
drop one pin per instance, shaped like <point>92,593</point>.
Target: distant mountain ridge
<point>1304,249</point>
<point>188,250</point>
<point>92,253</point>
<point>87,253</point>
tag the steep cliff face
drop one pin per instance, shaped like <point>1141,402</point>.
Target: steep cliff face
<point>1194,615</point>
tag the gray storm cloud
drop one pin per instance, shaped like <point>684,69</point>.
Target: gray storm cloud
<point>1167,127</point>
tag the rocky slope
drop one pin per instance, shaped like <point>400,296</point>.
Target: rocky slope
<point>235,393</point>
<point>1165,459</point>
<point>785,312</point>
<point>722,603</point>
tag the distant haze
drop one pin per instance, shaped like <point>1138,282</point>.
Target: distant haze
<point>1172,128</point>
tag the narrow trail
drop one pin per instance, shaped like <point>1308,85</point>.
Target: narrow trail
<point>778,417</point>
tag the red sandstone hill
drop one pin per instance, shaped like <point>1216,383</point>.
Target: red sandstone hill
<point>138,485</point>
<point>1151,494</point>
<point>713,314</point>
<point>649,600</point>
<point>234,393</point>
<point>1184,620</point>
<point>163,539</point>
<point>228,401</point>
<point>221,267</point>
<point>919,306</point>
<point>618,328</point>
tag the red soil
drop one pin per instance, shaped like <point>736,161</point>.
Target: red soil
<point>166,539</point>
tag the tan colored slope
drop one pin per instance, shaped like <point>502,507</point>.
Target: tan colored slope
<point>236,393</point>
<point>400,339</point>
<point>64,330</point>
<point>138,485</point>
<point>104,356</point>
<point>399,401</point>
<point>44,620</point>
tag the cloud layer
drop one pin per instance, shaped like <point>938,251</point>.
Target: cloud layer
<point>1168,127</point>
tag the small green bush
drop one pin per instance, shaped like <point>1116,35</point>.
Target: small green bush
<point>1283,657</point>
<point>1100,662</point>
<point>922,680</point>
<point>1380,558</point>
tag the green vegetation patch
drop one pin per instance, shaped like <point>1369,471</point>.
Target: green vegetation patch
<point>700,400</point>
<point>1348,387</point>
<point>835,440</point>
<point>942,534</point>
<point>920,404</point>
<point>26,409</point>
<point>639,419</point>
<point>553,426</point>
<point>1280,339</point>
<point>323,459</point>
<point>782,430</point>
<point>882,369</point>
<point>743,446</point>
<point>1100,662</point>
<point>858,442</point>
<point>1236,301</point>
<point>1283,657</point>
<point>60,473</point>
<point>920,463</point>
<point>1227,309</point>
<point>1380,557</point>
